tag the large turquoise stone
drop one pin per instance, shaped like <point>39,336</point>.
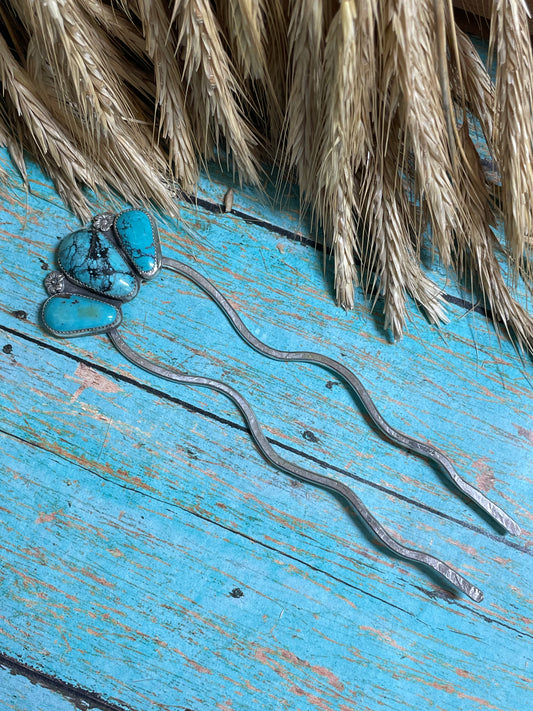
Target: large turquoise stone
<point>67,315</point>
<point>90,260</point>
<point>137,235</point>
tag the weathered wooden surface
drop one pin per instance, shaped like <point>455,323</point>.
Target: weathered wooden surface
<point>21,688</point>
<point>152,560</point>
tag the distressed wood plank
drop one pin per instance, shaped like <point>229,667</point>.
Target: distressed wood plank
<point>276,206</point>
<point>147,504</point>
<point>129,591</point>
<point>24,690</point>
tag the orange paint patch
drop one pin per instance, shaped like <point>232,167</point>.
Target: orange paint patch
<point>49,517</point>
<point>115,552</point>
<point>321,671</point>
<point>225,705</point>
<point>101,581</point>
<point>133,480</point>
<point>34,552</point>
<point>332,678</point>
<point>198,667</point>
<point>502,561</point>
<point>484,475</point>
<point>448,688</point>
<point>89,378</point>
<point>528,434</point>
<point>311,698</point>
<point>261,656</point>
<point>94,633</point>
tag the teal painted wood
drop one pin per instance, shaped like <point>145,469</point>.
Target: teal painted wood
<point>276,207</point>
<point>423,373</point>
<point>87,565</point>
<point>24,691</point>
<point>134,513</point>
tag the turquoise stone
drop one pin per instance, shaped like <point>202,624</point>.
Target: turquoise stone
<point>137,235</point>
<point>90,260</point>
<point>68,315</point>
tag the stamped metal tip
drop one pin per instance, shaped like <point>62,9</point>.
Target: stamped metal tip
<point>475,594</point>
<point>513,527</point>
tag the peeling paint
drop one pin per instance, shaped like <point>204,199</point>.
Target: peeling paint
<point>484,475</point>
<point>90,378</point>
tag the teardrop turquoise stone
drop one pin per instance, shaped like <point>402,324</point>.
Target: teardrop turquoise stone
<point>138,237</point>
<point>89,259</point>
<point>68,315</point>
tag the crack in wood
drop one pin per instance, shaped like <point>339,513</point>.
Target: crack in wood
<point>84,699</point>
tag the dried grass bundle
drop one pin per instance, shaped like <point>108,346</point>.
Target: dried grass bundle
<point>364,101</point>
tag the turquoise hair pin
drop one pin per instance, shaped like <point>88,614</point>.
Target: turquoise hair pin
<point>103,265</point>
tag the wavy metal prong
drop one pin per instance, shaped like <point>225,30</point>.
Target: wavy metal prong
<point>409,443</point>
<point>264,446</point>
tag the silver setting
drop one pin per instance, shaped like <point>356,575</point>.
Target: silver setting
<point>103,222</point>
<point>54,283</point>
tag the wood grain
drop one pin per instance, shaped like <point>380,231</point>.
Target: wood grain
<point>22,688</point>
<point>153,559</point>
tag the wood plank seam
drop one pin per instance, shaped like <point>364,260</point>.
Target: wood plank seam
<point>441,594</point>
<point>241,534</point>
<point>218,209</point>
<point>210,539</point>
<point>75,693</point>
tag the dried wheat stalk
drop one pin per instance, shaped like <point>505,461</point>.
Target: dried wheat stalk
<point>477,85</point>
<point>476,242</point>
<point>174,121</point>
<point>513,127</point>
<point>51,141</point>
<point>345,135</point>
<point>244,23</point>
<point>70,45</point>
<point>306,44</point>
<point>412,37</point>
<point>211,84</point>
<point>391,266</point>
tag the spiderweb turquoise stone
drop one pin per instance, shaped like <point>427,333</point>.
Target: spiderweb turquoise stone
<point>108,264</point>
<point>89,259</point>
<point>138,238</point>
<point>77,315</point>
